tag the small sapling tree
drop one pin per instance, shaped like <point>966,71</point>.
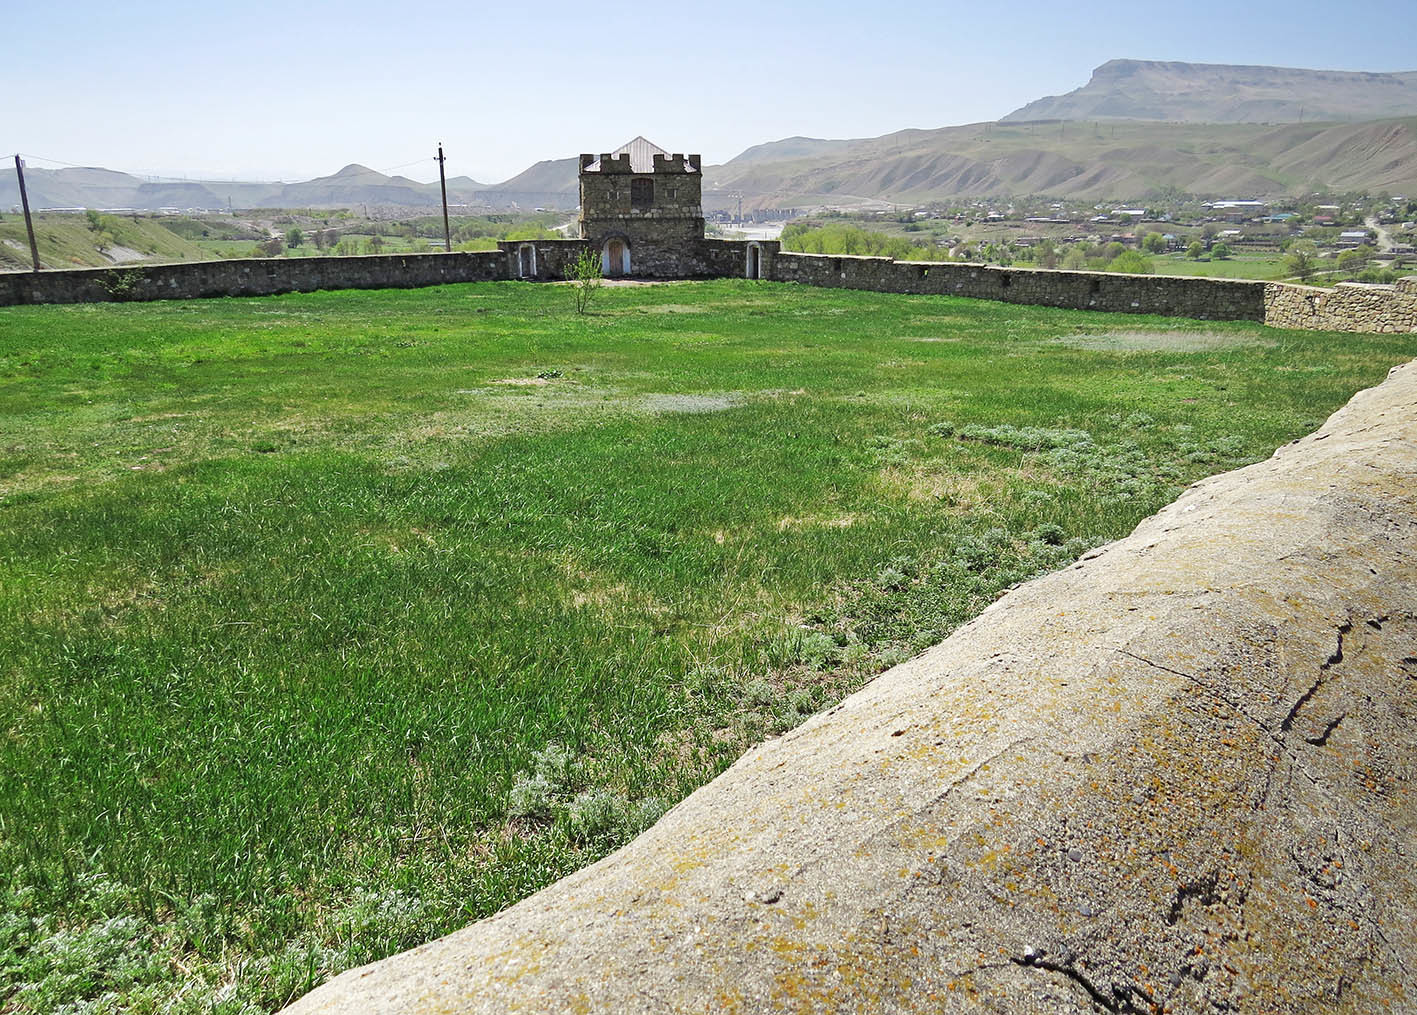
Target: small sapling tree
<point>584,275</point>
<point>1300,261</point>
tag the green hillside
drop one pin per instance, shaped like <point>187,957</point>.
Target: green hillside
<point>70,241</point>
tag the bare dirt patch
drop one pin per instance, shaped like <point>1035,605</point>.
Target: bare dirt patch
<point>673,308</point>
<point>922,483</point>
<point>158,417</point>
<point>123,255</point>
<point>816,522</point>
<point>688,403</point>
<point>1163,341</point>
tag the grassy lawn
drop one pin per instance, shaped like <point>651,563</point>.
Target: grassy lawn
<point>331,622</point>
<point>1264,267</point>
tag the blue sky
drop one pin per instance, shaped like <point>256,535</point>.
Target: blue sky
<point>263,90</point>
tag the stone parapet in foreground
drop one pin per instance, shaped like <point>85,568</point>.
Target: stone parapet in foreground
<point>1174,776</point>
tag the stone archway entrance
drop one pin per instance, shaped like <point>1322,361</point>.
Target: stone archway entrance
<point>526,257</point>
<point>755,261</point>
<point>615,258</point>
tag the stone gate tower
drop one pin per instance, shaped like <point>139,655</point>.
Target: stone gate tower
<point>642,208</point>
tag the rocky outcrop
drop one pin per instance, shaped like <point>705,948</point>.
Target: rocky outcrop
<point>1174,776</point>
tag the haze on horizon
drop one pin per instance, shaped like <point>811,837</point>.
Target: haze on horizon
<point>290,92</point>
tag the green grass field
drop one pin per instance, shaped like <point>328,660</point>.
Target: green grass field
<point>332,622</point>
<point>1265,267</point>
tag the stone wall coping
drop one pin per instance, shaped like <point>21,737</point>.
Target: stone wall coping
<point>1032,270</point>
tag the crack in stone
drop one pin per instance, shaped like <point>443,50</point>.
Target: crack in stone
<point>1337,656</point>
<point>1296,762</point>
<point>1117,1004</point>
<point>1393,953</point>
<point>1211,691</point>
<point>957,783</point>
<point>1322,738</point>
<point>1300,703</point>
<point>982,967</point>
<point>1304,699</point>
<point>1203,890</point>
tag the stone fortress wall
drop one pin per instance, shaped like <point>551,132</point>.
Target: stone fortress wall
<point>1349,306</point>
<point>703,259</point>
<point>642,215</point>
<point>248,277</point>
<point>1346,307</point>
<point>1216,299</point>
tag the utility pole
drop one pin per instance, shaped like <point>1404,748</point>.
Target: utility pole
<point>739,196</point>
<point>443,182</point>
<point>25,202</point>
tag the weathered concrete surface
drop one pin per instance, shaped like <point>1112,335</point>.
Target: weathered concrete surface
<point>1176,775</point>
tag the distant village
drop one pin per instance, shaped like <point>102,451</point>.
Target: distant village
<point>1389,224</point>
<point>1357,235</point>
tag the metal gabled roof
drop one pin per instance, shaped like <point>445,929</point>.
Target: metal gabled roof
<point>642,152</point>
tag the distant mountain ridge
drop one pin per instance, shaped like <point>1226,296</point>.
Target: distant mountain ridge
<point>1119,160</point>
<point>1136,128</point>
<point>552,184</point>
<point>1228,93</point>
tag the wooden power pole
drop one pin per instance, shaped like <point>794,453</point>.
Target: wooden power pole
<point>443,182</point>
<point>25,203</point>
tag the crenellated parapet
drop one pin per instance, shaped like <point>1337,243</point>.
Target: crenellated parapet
<point>677,163</point>
<point>606,162</point>
<point>642,207</point>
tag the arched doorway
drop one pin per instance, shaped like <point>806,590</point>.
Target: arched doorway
<point>755,261</point>
<point>526,261</point>
<point>615,257</point>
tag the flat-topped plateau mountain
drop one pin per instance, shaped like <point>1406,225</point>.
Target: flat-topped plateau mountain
<point>1227,93</point>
